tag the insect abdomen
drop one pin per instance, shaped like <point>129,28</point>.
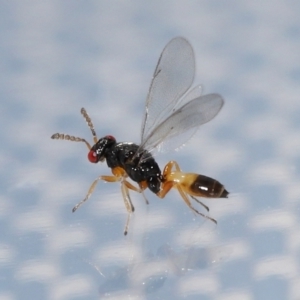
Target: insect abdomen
<point>204,186</point>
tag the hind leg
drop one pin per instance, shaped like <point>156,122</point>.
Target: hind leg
<point>183,182</point>
<point>188,203</point>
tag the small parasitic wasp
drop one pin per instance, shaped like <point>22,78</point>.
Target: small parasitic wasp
<point>172,115</point>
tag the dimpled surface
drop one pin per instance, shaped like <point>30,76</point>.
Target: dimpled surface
<point>59,56</point>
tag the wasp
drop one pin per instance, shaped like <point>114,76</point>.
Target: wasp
<point>173,112</point>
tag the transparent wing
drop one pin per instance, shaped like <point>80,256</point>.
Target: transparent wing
<point>183,122</point>
<point>172,78</point>
<point>180,140</point>
<point>194,93</point>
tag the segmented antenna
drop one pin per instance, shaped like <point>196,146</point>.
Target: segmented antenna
<point>90,124</point>
<point>62,136</point>
<point>67,137</point>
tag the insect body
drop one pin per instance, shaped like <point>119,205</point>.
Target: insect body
<point>172,115</point>
<point>124,157</point>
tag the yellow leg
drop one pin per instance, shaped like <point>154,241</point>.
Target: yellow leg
<point>128,204</point>
<point>170,183</point>
<point>132,187</point>
<point>125,186</point>
<point>166,186</point>
<point>92,188</point>
<point>143,185</point>
<point>188,203</point>
<point>109,178</point>
<point>106,178</point>
<point>169,166</point>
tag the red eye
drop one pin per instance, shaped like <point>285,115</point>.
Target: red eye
<point>110,137</point>
<point>92,156</point>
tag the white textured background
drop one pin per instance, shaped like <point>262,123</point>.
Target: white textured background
<point>57,56</point>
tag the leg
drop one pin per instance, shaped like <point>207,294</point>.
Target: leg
<point>106,178</point>
<point>92,187</point>
<point>132,187</point>
<point>197,200</point>
<point>128,204</point>
<point>166,186</point>
<point>139,190</point>
<point>143,185</point>
<point>169,183</point>
<point>188,203</point>
<point>168,170</point>
<point>169,166</point>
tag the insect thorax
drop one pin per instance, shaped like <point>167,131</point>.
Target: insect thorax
<point>124,155</point>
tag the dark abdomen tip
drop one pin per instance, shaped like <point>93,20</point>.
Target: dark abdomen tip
<point>204,186</point>
<point>224,194</point>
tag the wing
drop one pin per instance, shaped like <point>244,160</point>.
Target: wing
<point>183,122</point>
<point>172,78</point>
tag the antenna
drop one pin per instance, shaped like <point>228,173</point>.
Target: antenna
<point>90,124</point>
<point>67,137</point>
